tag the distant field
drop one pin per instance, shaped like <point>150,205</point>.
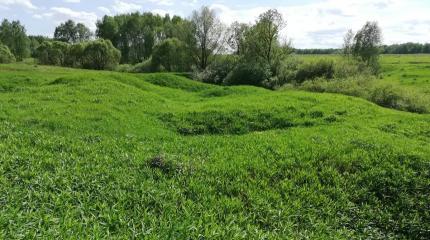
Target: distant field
<point>410,71</point>
<point>405,70</point>
<point>99,155</point>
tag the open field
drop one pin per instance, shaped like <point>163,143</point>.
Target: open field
<point>404,77</point>
<point>111,155</point>
<point>409,71</point>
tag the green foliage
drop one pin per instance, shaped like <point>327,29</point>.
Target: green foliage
<point>52,53</point>
<point>249,73</point>
<point>100,55</point>
<point>98,154</point>
<point>366,45</point>
<point>13,35</point>
<point>75,55</point>
<point>312,70</point>
<point>5,55</point>
<point>144,67</point>
<point>171,55</point>
<point>136,34</point>
<point>218,71</point>
<point>71,32</point>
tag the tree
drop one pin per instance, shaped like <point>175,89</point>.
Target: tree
<point>14,36</point>
<point>35,42</point>
<point>209,35</point>
<point>367,43</point>
<point>266,35</point>
<point>83,33</point>
<point>72,33</point>
<point>236,40</point>
<point>101,55</point>
<point>5,55</point>
<point>348,42</point>
<point>171,55</point>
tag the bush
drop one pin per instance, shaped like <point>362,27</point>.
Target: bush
<point>124,68</point>
<point>52,53</point>
<point>75,55</point>
<point>390,97</point>
<point>286,73</point>
<point>364,87</point>
<point>5,55</point>
<point>101,55</point>
<point>144,67</point>
<point>218,71</point>
<point>249,73</point>
<point>313,70</point>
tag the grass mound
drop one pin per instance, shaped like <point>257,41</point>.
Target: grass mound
<point>114,155</point>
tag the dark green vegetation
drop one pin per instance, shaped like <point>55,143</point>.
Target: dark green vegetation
<point>87,154</point>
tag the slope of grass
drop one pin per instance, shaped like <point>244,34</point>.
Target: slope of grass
<point>87,154</point>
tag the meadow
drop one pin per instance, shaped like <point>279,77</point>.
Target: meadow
<point>403,81</point>
<point>106,155</point>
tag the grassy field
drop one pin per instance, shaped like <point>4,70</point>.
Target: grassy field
<point>98,155</point>
<point>403,79</point>
<point>408,71</point>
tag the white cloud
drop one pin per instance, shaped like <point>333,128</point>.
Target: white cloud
<point>62,14</point>
<point>23,3</point>
<point>125,7</point>
<point>104,10</point>
<point>322,24</point>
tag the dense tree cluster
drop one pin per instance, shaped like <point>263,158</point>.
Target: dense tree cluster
<point>406,48</point>
<point>99,54</point>
<point>136,34</point>
<point>13,35</point>
<point>72,33</point>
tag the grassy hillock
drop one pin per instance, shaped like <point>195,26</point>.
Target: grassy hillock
<point>86,154</point>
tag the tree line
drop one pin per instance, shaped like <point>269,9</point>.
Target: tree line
<point>253,53</point>
<point>404,48</point>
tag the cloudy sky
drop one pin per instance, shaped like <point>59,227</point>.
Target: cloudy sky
<point>310,23</point>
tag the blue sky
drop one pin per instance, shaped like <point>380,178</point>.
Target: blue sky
<point>310,23</point>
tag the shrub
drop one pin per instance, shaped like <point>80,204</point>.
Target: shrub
<point>346,68</point>
<point>364,87</point>
<point>218,71</point>
<point>286,73</point>
<point>124,68</point>
<point>52,53</point>
<point>101,55</point>
<point>75,55</point>
<point>390,97</point>
<point>144,67</point>
<point>250,73</point>
<point>5,55</point>
<point>312,70</point>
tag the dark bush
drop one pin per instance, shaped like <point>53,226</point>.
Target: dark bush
<point>312,70</point>
<point>218,71</point>
<point>249,73</point>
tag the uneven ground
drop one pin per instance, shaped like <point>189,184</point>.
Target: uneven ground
<point>87,154</point>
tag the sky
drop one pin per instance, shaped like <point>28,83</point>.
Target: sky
<point>310,23</point>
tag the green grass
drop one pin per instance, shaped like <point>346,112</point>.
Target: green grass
<point>404,81</point>
<point>97,155</point>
